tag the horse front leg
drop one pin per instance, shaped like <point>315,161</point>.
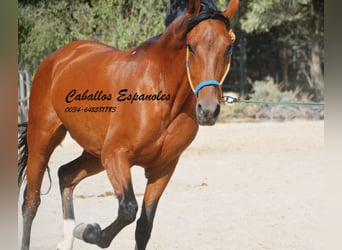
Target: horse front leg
<point>118,170</point>
<point>157,182</point>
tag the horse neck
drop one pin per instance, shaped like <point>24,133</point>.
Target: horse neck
<point>173,56</point>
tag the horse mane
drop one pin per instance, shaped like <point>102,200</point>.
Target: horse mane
<point>177,8</point>
<point>208,11</point>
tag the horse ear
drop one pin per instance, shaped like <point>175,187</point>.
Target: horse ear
<point>194,7</point>
<point>231,9</point>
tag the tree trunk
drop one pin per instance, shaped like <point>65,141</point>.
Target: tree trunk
<point>286,67</point>
<point>315,65</point>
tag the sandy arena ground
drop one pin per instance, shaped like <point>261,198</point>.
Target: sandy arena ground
<point>241,186</point>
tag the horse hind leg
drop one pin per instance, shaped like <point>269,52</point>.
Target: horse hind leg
<point>70,175</point>
<point>41,141</point>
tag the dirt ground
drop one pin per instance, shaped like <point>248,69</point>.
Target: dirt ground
<point>240,186</point>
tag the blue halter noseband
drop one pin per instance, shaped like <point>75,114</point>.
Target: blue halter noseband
<point>204,84</point>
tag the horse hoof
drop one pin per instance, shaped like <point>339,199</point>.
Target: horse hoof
<point>87,232</point>
<point>78,231</point>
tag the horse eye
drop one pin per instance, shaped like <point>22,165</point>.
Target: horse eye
<point>191,48</point>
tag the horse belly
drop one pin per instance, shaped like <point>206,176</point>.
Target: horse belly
<point>85,110</point>
<point>88,136</point>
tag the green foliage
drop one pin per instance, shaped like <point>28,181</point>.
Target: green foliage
<point>40,32</point>
<point>44,26</point>
<point>294,24</point>
<point>262,15</point>
<point>269,91</point>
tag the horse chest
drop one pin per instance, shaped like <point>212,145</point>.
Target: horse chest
<point>169,145</point>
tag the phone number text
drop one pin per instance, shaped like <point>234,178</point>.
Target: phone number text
<point>95,109</point>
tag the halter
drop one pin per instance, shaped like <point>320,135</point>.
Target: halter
<point>205,83</point>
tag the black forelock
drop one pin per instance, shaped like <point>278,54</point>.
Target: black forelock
<point>178,7</point>
<point>208,11</point>
<point>204,15</point>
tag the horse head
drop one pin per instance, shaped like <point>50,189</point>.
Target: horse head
<point>209,40</point>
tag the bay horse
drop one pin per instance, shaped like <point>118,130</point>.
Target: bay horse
<point>137,107</point>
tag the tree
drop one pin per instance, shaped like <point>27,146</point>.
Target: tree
<point>295,22</point>
<point>44,26</point>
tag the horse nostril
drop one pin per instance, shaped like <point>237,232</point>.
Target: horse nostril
<point>212,110</point>
<point>217,110</point>
<point>199,108</point>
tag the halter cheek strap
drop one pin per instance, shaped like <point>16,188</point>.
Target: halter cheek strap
<point>206,82</point>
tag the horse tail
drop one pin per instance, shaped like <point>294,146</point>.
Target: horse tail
<point>22,153</point>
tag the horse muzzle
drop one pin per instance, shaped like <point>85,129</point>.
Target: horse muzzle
<point>207,113</point>
<point>207,108</point>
